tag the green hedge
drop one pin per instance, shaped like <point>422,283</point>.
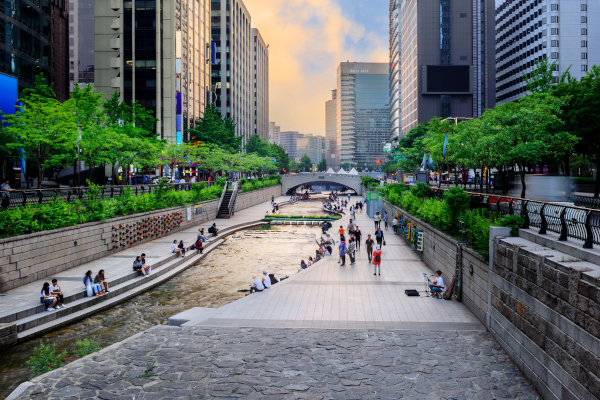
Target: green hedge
<point>446,214</point>
<point>255,184</point>
<point>60,214</point>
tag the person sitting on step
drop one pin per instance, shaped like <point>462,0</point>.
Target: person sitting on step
<point>92,288</point>
<point>46,297</point>
<point>213,229</point>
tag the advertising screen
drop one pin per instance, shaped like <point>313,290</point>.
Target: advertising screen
<point>450,79</point>
<point>8,88</point>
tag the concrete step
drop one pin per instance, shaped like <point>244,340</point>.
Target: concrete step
<point>36,323</point>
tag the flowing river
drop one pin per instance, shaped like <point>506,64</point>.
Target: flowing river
<point>214,281</point>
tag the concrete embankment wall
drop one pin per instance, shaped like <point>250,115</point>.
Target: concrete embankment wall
<point>541,305</point>
<point>27,258</point>
<point>440,251</point>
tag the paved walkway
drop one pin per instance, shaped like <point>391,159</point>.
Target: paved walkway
<point>328,332</point>
<point>119,264</point>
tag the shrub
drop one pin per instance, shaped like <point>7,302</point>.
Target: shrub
<point>514,222</point>
<point>457,202</point>
<point>421,190</point>
<point>86,346</point>
<point>45,359</point>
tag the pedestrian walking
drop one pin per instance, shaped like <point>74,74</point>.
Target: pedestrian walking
<point>342,249</point>
<point>385,219</point>
<point>377,261</point>
<point>377,219</point>
<point>351,250</point>
<point>379,236</point>
<point>357,235</point>
<point>369,242</point>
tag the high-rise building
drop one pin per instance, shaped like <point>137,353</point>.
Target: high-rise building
<point>363,105</point>
<point>311,145</point>
<point>395,46</point>
<point>332,155</point>
<point>34,39</point>
<point>232,64</point>
<point>158,55</point>
<point>81,42</point>
<point>274,133</point>
<point>260,84</point>
<point>447,65</point>
<point>562,31</point>
<point>289,141</point>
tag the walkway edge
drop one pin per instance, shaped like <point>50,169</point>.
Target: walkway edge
<point>139,289</point>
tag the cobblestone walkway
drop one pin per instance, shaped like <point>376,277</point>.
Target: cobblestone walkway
<point>198,362</point>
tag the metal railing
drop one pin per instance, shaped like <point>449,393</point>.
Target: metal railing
<point>25,197</point>
<point>569,222</point>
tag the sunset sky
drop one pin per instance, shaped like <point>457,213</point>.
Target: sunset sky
<point>307,40</point>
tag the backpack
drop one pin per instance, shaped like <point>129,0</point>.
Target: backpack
<point>377,257</point>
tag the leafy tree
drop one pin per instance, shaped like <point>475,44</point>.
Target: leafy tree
<point>292,165</point>
<point>256,145</point>
<point>42,128</point>
<point>540,79</point>
<point>212,128</point>
<point>305,163</point>
<point>322,166</point>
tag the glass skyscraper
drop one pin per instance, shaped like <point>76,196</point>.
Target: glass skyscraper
<point>363,106</point>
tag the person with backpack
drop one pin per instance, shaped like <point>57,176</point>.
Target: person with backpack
<point>377,260</point>
<point>379,236</point>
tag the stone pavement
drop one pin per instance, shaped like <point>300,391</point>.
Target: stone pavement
<point>120,263</point>
<point>257,363</point>
<point>326,332</point>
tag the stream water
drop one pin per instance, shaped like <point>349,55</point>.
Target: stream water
<point>214,281</point>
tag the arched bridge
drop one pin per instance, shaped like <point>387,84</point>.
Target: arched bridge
<point>291,182</point>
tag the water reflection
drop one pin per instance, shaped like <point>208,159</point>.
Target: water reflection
<point>213,282</point>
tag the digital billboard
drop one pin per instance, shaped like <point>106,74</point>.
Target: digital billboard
<point>8,88</point>
<point>447,79</point>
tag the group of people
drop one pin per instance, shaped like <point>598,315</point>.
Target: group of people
<point>324,249</point>
<point>260,283</point>
<point>52,297</point>
<point>353,244</point>
<point>141,267</point>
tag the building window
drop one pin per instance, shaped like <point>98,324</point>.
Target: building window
<point>554,55</point>
<point>584,43</point>
<point>584,7</point>
<point>554,19</point>
<point>553,7</point>
<point>554,31</point>
<point>584,56</point>
<point>584,67</point>
<point>554,43</point>
<point>583,19</point>
<point>584,31</point>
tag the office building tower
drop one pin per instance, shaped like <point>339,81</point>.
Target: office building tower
<point>446,59</point>
<point>156,54</point>
<point>565,32</point>
<point>311,145</point>
<point>395,46</point>
<point>81,42</point>
<point>260,85</point>
<point>363,105</point>
<point>232,73</point>
<point>34,39</point>
<point>289,141</point>
<point>332,155</point>
<point>274,133</point>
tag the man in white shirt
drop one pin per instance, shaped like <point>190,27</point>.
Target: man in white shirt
<point>437,287</point>
<point>257,285</point>
<point>266,280</point>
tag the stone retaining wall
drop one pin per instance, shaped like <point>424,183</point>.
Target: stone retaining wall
<point>546,314</point>
<point>249,199</point>
<point>27,258</point>
<point>440,252</point>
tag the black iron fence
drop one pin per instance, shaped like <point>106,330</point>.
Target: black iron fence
<point>25,197</point>
<point>569,222</point>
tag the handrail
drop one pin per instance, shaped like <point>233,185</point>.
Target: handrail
<point>231,206</point>
<point>567,221</point>
<point>23,197</point>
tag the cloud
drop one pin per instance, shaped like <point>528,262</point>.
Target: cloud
<point>307,40</point>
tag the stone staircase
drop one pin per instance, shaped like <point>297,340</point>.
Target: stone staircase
<point>227,205</point>
<point>31,321</point>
